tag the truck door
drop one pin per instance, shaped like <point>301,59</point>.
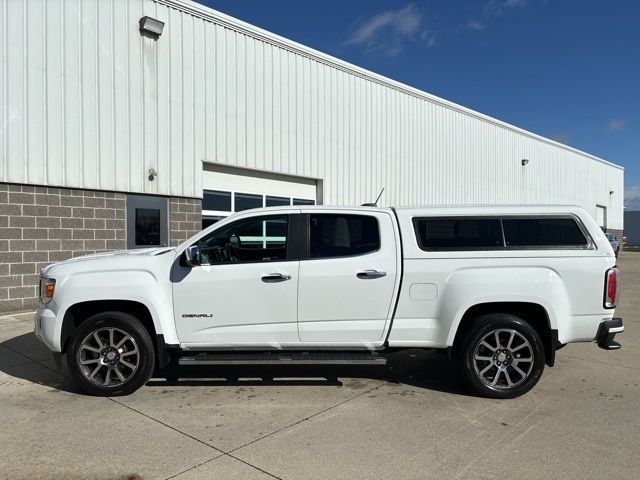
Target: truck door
<point>245,291</point>
<point>348,276</point>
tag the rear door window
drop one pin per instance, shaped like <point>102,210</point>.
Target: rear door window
<point>339,235</point>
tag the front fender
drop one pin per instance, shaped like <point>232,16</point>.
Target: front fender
<point>135,285</point>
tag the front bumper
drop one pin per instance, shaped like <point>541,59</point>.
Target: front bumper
<point>45,327</point>
<point>607,331</point>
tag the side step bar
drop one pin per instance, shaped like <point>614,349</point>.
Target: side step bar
<point>282,358</point>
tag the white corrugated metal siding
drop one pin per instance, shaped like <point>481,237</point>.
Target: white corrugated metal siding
<point>88,102</point>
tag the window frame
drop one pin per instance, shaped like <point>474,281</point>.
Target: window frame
<point>589,245</point>
<point>292,242</point>
<point>305,236</point>
<point>225,213</point>
<point>152,202</point>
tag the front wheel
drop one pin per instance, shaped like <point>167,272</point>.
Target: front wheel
<point>501,356</point>
<point>111,354</point>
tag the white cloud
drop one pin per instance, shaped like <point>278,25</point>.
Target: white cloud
<point>514,3</point>
<point>494,8</point>
<point>632,197</point>
<point>617,125</point>
<point>389,31</point>
<point>476,25</point>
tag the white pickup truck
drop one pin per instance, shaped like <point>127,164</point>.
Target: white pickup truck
<point>502,288</point>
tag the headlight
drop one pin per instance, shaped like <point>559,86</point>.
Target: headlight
<point>47,287</point>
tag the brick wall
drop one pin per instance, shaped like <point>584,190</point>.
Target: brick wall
<point>41,225</point>
<point>185,217</point>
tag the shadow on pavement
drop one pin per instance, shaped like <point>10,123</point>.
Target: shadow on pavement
<point>28,359</point>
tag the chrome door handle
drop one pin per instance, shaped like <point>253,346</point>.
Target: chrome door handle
<point>276,277</point>
<point>371,274</point>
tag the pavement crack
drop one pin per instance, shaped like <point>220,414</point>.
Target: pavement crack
<point>167,425</point>
<point>230,453</point>
<point>500,440</point>
<point>220,456</point>
<point>597,361</point>
<point>193,467</point>
<point>253,466</point>
<point>308,418</point>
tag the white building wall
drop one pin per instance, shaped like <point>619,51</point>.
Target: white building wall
<point>88,102</point>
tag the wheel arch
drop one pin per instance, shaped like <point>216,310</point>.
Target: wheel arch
<point>76,314</point>
<point>533,313</point>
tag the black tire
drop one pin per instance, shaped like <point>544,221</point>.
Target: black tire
<point>487,378</point>
<point>137,349</point>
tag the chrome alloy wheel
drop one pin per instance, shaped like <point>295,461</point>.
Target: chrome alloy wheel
<point>108,357</point>
<point>503,358</point>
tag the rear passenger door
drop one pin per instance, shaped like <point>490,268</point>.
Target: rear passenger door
<point>348,276</point>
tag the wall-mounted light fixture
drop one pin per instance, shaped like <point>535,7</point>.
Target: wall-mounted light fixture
<point>524,161</point>
<point>610,192</point>
<point>152,174</point>
<point>150,27</point>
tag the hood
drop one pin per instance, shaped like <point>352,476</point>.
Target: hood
<point>119,254</point>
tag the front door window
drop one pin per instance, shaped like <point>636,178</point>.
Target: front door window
<point>256,239</point>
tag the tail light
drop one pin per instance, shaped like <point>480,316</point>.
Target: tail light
<point>611,287</point>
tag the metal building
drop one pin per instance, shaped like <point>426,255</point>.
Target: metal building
<point>114,136</point>
<point>632,228</point>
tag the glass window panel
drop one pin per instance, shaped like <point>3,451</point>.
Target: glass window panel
<point>245,201</point>
<point>302,201</point>
<point>277,201</point>
<point>215,200</point>
<point>543,232</point>
<point>147,226</point>
<point>257,239</point>
<point>336,235</point>
<point>458,233</point>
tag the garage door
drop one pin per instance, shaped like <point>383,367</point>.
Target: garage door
<point>227,190</point>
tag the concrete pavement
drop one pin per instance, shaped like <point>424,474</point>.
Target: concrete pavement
<point>407,420</point>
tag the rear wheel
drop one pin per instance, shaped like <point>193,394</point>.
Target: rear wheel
<point>501,356</point>
<point>111,354</point>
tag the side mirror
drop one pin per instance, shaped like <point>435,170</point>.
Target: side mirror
<point>191,256</point>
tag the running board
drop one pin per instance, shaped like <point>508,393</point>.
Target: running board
<point>278,358</point>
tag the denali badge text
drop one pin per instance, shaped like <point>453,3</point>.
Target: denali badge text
<point>197,315</point>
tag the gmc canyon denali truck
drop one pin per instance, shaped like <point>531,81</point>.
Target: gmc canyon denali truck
<point>502,288</point>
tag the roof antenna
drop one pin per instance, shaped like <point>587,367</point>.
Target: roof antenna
<point>374,204</point>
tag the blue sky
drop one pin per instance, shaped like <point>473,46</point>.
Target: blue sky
<point>565,69</point>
